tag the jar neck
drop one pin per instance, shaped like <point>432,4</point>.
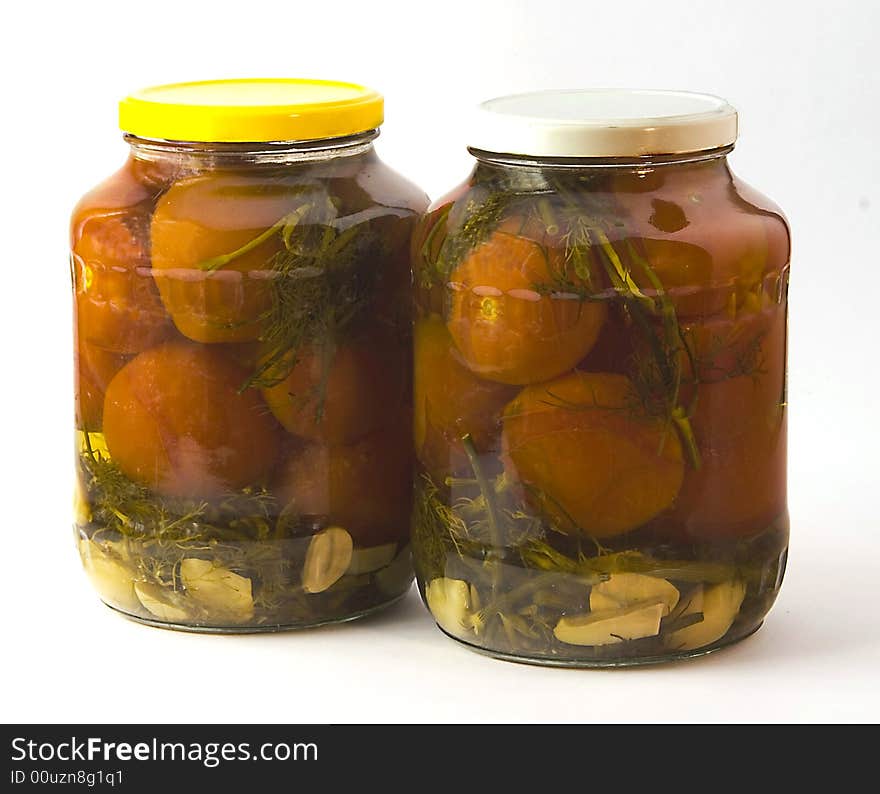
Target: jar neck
<point>649,160</point>
<point>201,156</point>
<point>535,174</point>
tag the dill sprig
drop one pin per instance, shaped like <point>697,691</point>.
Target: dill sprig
<point>527,574</point>
<point>493,520</point>
<point>121,506</point>
<point>321,277</point>
<point>247,532</point>
<point>466,224</point>
<point>481,218</point>
<point>588,224</point>
<point>574,216</point>
<point>435,530</point>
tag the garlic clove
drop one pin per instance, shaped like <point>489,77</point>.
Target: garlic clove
<point>327,559</point>
<point>451,603</point>
<point>720,606</point>
<point>223,593</point>
<point>110,577</point>
<point>625,589</point>
<point>155,600</point>
<point>611,626</point>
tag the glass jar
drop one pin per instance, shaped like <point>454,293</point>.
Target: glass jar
<point>243,379</point>
<point>600,384</point>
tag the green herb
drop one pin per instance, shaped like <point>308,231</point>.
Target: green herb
<point>465,225</point>
<point>321,278</point>
<point>587,224</point>
<point>526,570</point>
<point>247,532</point>
<point>284,225</point>
<point>528,575</point>
<point>493,520</point>
<point>581,222</point>
<point>123,506</point>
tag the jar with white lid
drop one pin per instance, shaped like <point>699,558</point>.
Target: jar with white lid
<point>600,384</point>
<point>242,341</point>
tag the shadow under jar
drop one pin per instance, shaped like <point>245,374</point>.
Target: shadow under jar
<point>243,378</point>
<point>600,385</point>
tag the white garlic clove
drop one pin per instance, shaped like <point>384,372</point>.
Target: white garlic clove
<point>327,559</point>
<point>611,626</point>
<point>157,602</point>
<point>111,578</point>
<point>451,602</point>
<point>720,606</point>
<point>625,589</point>
<point>223,593</point>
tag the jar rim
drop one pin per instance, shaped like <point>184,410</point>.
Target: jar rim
<point>606,163</point>
<point>600,123</point>
<point>345,144</point>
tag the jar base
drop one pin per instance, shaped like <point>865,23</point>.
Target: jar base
<point>265,628</point>
<point>586,664</point>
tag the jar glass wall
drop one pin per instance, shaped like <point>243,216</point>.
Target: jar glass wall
<point>600,407</point>
<point>243,382</point>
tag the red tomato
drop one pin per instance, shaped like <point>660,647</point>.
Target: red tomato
<point>117,304</point>
<point>210,215</point>
<point>176,421</point>
<point>365,487</point>
<point>508,322</point>
<point>740,426</point>
<point>339,394</point>
<point>589,456</point>
<point>450,401</point>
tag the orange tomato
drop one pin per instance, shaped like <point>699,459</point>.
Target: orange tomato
<point>174,420</point>
<point>364,487</point>
<point>117,305</point>
<point>450,401</point>
<point>506,324</point>
<point>94,368</point>
<point>207,216</point>
<point>589,458</point>
<point>339,394</point>
<point>739,424</point>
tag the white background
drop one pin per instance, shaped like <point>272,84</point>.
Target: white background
<point>807,87</point>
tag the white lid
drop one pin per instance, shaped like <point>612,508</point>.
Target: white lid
<point>603,123</point>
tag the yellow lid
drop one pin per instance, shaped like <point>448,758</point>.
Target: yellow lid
<point>257,110</point>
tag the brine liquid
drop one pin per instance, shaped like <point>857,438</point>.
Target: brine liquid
<point>600,416</point>
<point>243,388</point>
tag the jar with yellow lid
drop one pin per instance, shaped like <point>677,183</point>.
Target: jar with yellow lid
<point>599,384</point>
<point>242,342</point>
